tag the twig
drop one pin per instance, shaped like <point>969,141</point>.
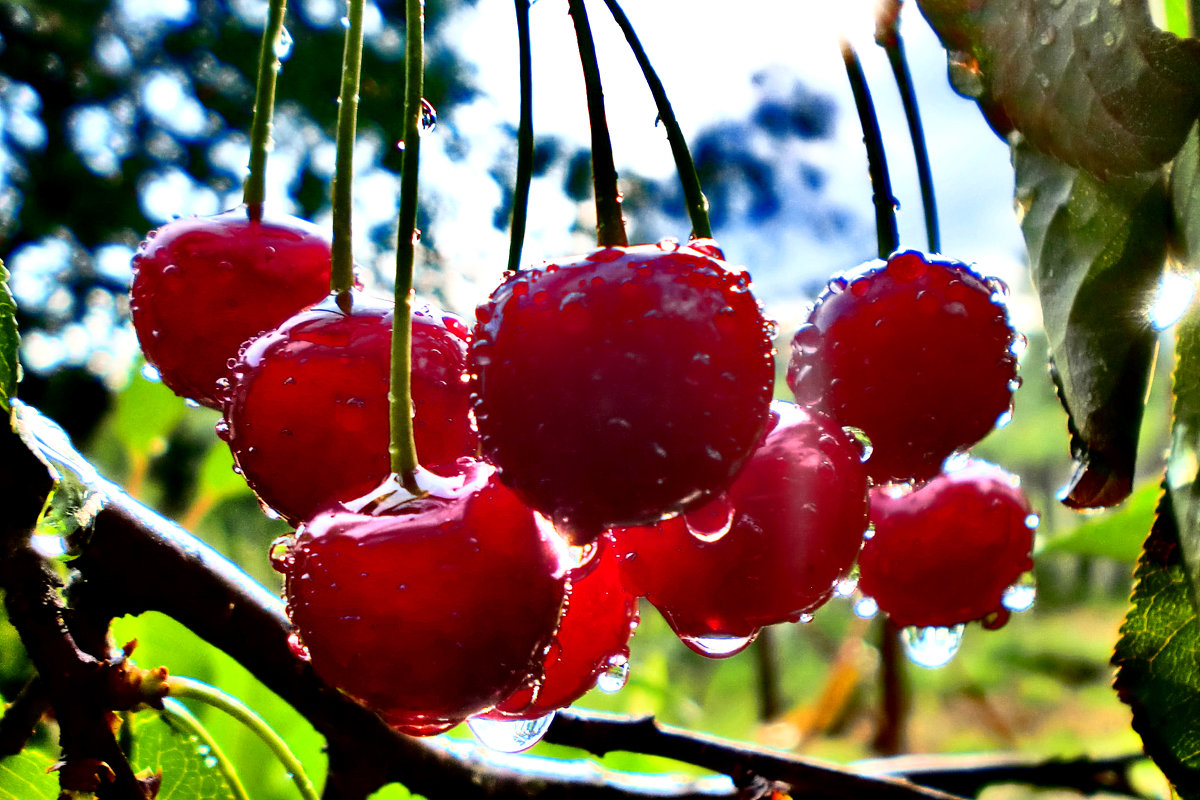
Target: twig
<point>22,716</point>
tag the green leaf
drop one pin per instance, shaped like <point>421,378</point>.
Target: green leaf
<point>1184,457</point>
<point>25,777</point>
<point>145,413</point>
<point>1118,534</point>
<point>1096,252</point>
<point>1157,670</point>
<point>1092,82</point>
<point>189,771</point>
<point>10,343</point>
<point>1185,201</point>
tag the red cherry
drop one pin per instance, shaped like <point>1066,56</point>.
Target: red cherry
<point>431,611</point>
<point>917,353</point>
<point>943,554</point>
<point>307,411</point>
<point>623,385</point>
<point>204,285</point>
<point>799,511</point>
<point>593,636</point>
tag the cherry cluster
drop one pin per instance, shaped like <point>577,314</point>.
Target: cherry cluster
<point>606,431</point>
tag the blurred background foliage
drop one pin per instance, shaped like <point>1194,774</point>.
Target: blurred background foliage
<point>117,115</point>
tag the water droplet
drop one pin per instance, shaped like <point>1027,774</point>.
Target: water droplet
<point>717,646</point>
<point>346,23</point>
<point>807,341</point>
<point>1003,419</point>
<point>846,587</point>
<point>711,521</point>
<point>804,618</point>
<point>210,762</point>
<point>668,244</point>
<point>280,553</point>
<point>150,373</point>
<point>428,117</point>
<point>965,74</point>
<point>866,608</point>
<point>1174,295</point>
<point>283,45</point>
<point>299,650</point>
<point>862,440</point>
<point>203,750</point>
<point>510,736</point>
<point>932,647</point>
<point>400,145</point>
<point>615,674</point>
<point>1020,596</point>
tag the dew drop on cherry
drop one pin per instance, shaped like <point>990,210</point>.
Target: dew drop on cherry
<point>1020,596</point>
<point>280,553</point>
<point>615,674</point>
<point>298,648</point>
<point>711,521</point>
<point>846,587</point>
<point>151,374</point>
<point>862,440</point>
<point>718,646</point>
<point>932,647</point>
<point>510,736</point>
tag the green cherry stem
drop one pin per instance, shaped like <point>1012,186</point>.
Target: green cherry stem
<point>887,34</point>
<point>520,210</point>
<point>254,190</point>
<point>610,226</point>
<point>693,195</point>
<point>401,446</point>
<point>341,277</point>
<point>881,185</point>
<point>188,689</point>
<point>178,715</point>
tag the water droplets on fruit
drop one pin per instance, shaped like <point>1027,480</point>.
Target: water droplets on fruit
<point>150,373</point>
<point>615,674</point>
<point>711,521</point>
<point>509,736</point>
<point>717,646</point>
<point>1020,596</point>
<point>866,608</point>
<point>865,448</point>
<point>281,555</point>
<point>932,647</point>
<point>846,587</point>
<point>668,244</point>
<point>805,618</point>
<point>298,648</point>
<point>1003,418</point>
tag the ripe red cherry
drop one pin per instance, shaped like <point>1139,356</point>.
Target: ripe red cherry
<point>622,385</point>
<point>204,285</point>
<point>917,353</point>
<point>593,636</point>
<point>433,610</point>
<point>799,511</point>
<point>306,413</point>
<point>943,554</point>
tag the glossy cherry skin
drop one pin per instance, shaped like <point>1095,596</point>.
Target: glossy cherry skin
<point>430,612</point>
<point>306,412</point>
<point>599,618</point>
<point>204,285</point>
<point>799,512</point>
<point>622,385</point>
<point>944,553</point>
<point>917,353</point>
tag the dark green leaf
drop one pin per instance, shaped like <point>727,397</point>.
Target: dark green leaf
<point>1096,252</point>
<point>189,771</point>
<point>24,777</point>
<point>1158,675</point>
<point>1185,200</point>
<point>1182,462</point>
<point>1092,82</point>
<point>10,342</point>
<point>1118,534</point>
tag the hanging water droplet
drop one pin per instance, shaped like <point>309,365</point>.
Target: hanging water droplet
<point>864,442</point>
<point>428,117</point>
<point>1004,418</point>
<point>711,521</point>
<point>298,648</point>
<point>846,587</point>
<point>510,736</point>
<point>1020,596</point>
<point>150,373</point>
<point>866,608</point>
<point>932,647</point>
<point>280,553</point>
<point>615,674</point>
<point>190,403</point>
<point>284,44</point>
<point>805,618</point>
<point>717,646</point>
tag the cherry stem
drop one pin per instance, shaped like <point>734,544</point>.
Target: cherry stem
<point>524,140</point>
<point>189,689</point>
<point>254,191</point>
<point>610,226</point>
<point>887,34</point>
<point>179,715</point>
<point>881,185</point>
<point>341,276</point>
<point>693,195</point>
<point>402,446</point>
